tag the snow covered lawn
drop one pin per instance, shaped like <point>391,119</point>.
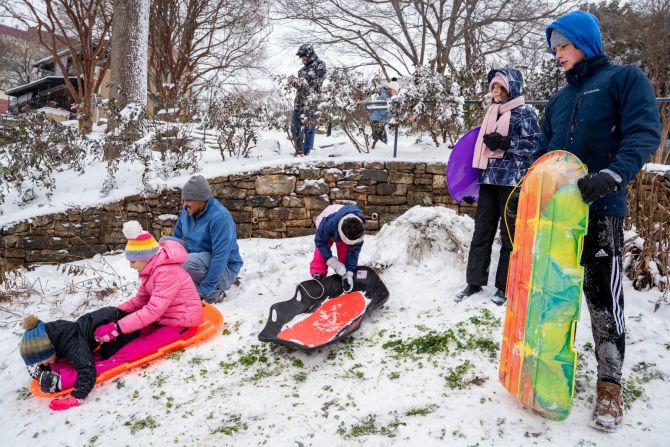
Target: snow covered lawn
<point>421,372</point>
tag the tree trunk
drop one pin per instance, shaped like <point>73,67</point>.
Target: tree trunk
<point>130,34</point>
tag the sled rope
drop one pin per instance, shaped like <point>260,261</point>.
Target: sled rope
<point>323,290</point>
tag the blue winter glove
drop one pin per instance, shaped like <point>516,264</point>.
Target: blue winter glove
<point>336,265</point>
<point>599,184</point>
<point>495,141</point>
<point>348,282</point>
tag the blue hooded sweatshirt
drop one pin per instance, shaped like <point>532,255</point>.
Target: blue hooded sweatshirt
<point>328,230</point>
<point>524,133</point>
<point>212,230</point>
<point>606,114</point>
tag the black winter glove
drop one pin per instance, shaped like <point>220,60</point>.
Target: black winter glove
<point>598,184</point>
<point>495,141</point>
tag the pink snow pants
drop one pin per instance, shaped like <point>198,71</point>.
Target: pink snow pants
<point>318,264</point>
<point>150,340</point>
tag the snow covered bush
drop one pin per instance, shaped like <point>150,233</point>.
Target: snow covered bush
<point>341,103</point>
<point>163,148</point>
<point>430,103</point>
<point>238,122</point>
<point>32,148</point>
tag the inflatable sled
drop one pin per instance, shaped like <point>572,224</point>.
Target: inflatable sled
<point>213,321</point>
<point>461,176</point>
<point>318,314</point>
<point>544,287</point>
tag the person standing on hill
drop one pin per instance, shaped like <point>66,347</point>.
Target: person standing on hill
<point>307,84</point>
<point>607,116</point>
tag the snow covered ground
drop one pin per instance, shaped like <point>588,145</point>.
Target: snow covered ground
<point>368,390</point>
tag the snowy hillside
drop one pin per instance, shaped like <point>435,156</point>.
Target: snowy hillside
<point>422,371</point>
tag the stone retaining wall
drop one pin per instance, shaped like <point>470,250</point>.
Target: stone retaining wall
<point>271,203</point>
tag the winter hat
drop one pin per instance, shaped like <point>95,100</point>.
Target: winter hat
<point>500,79</point>
<point>581,29</point>
<point>141,244</point>
<point>351,229</point>
<point>557,39</point>
<point>394,85</point>
<point>196,188</point>
<point>35,345</point>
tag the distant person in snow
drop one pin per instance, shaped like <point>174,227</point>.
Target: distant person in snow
<point>508,137</point>
<point>207,230</point>
<point>309,81</point>
<point>62,354</point>
<point>607,116</point>
<point>379,118</point>
<point>343,225</point>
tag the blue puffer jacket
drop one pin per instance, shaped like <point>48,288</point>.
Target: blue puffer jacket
<point>524,133</point>
<point>328,230</point>
<point>212,230</point>
<point>381,115</point>
<point>606,115</point>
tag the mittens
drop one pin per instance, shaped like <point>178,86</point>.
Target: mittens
<point>336,265</point>
<point>495,141</point>
<point>106,332</point>
<point>348,282</point>
<point>64,404</point>
<point>597,185</point>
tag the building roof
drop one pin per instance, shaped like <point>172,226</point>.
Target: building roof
<point>30,35</point>
<point>21,89</point>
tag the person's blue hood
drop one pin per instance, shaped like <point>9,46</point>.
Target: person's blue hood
<point>514,79</point>
<point>582,29</point>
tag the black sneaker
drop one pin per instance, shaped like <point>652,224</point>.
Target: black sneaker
<point>469,290</point>
<point>49,381</point>
<point>217,299</point>
<point>499,298</point>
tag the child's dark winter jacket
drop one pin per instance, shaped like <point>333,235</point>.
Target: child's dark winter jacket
<point>327,229</point>
<point>524,133</point>
<point>310,78</point>
<point>606,115</point>
<point>74,341</point>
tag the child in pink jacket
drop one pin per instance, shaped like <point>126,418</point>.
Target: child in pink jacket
<point>166,309</point>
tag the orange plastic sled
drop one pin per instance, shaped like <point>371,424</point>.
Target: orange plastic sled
<point>213,321</point>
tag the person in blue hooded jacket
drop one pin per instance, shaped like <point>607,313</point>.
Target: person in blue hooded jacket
<point>207,230</point>
<point>607,116</point>
<point>344,226</point>
<point>379,117</point>
<point>507,139</point>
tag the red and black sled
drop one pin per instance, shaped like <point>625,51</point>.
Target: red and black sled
<point>319,314</point>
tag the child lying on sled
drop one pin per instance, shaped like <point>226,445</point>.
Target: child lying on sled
<point>343,225</point>
<point>60,354</point>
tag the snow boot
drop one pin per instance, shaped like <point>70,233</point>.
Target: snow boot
<point>499,298</point>
<point>49,381</point>
<point>469,290</point>
<point>608,412</point>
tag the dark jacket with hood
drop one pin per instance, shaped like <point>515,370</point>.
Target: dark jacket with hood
<point>310,78</point>
<point>74,341</point>
<point>606,115</point>
<point>524,133</point>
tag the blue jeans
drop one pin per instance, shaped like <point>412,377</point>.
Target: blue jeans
<point>303,135</point>
<point>197,266</point>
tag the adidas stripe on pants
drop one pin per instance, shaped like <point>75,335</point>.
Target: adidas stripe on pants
<point>603,271</point>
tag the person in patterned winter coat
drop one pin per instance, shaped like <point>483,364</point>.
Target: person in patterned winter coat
<point>508,137</point>
<point>309,80</point>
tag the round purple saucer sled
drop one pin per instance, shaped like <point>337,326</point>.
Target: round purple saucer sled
<point>461,176</point>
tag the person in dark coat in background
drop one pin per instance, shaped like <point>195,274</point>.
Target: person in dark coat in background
<point>309,81</point>
<point>607,116</point>
<point>507,139</point>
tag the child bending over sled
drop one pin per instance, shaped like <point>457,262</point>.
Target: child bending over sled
<point>345,226</point>
<point>166,309</point>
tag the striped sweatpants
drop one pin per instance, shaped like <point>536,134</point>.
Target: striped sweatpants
<point>603,272</point>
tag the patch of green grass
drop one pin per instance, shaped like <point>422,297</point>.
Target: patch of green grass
<point>456,376</point>
<point>633,385</point>
<point>91,442</point>
<point>394,375</point>
<point>297,363</point>
<point>231,425</point>
<point>196,360</point>
<point>255,354</point>
<point>300,377</point>
<point>368,426</point>
<point>120,383</point>
<point>141,424</point>
<point>23,393</point>
<point>175,355</point>
<point>486,319</point>
<point>423,411</point>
